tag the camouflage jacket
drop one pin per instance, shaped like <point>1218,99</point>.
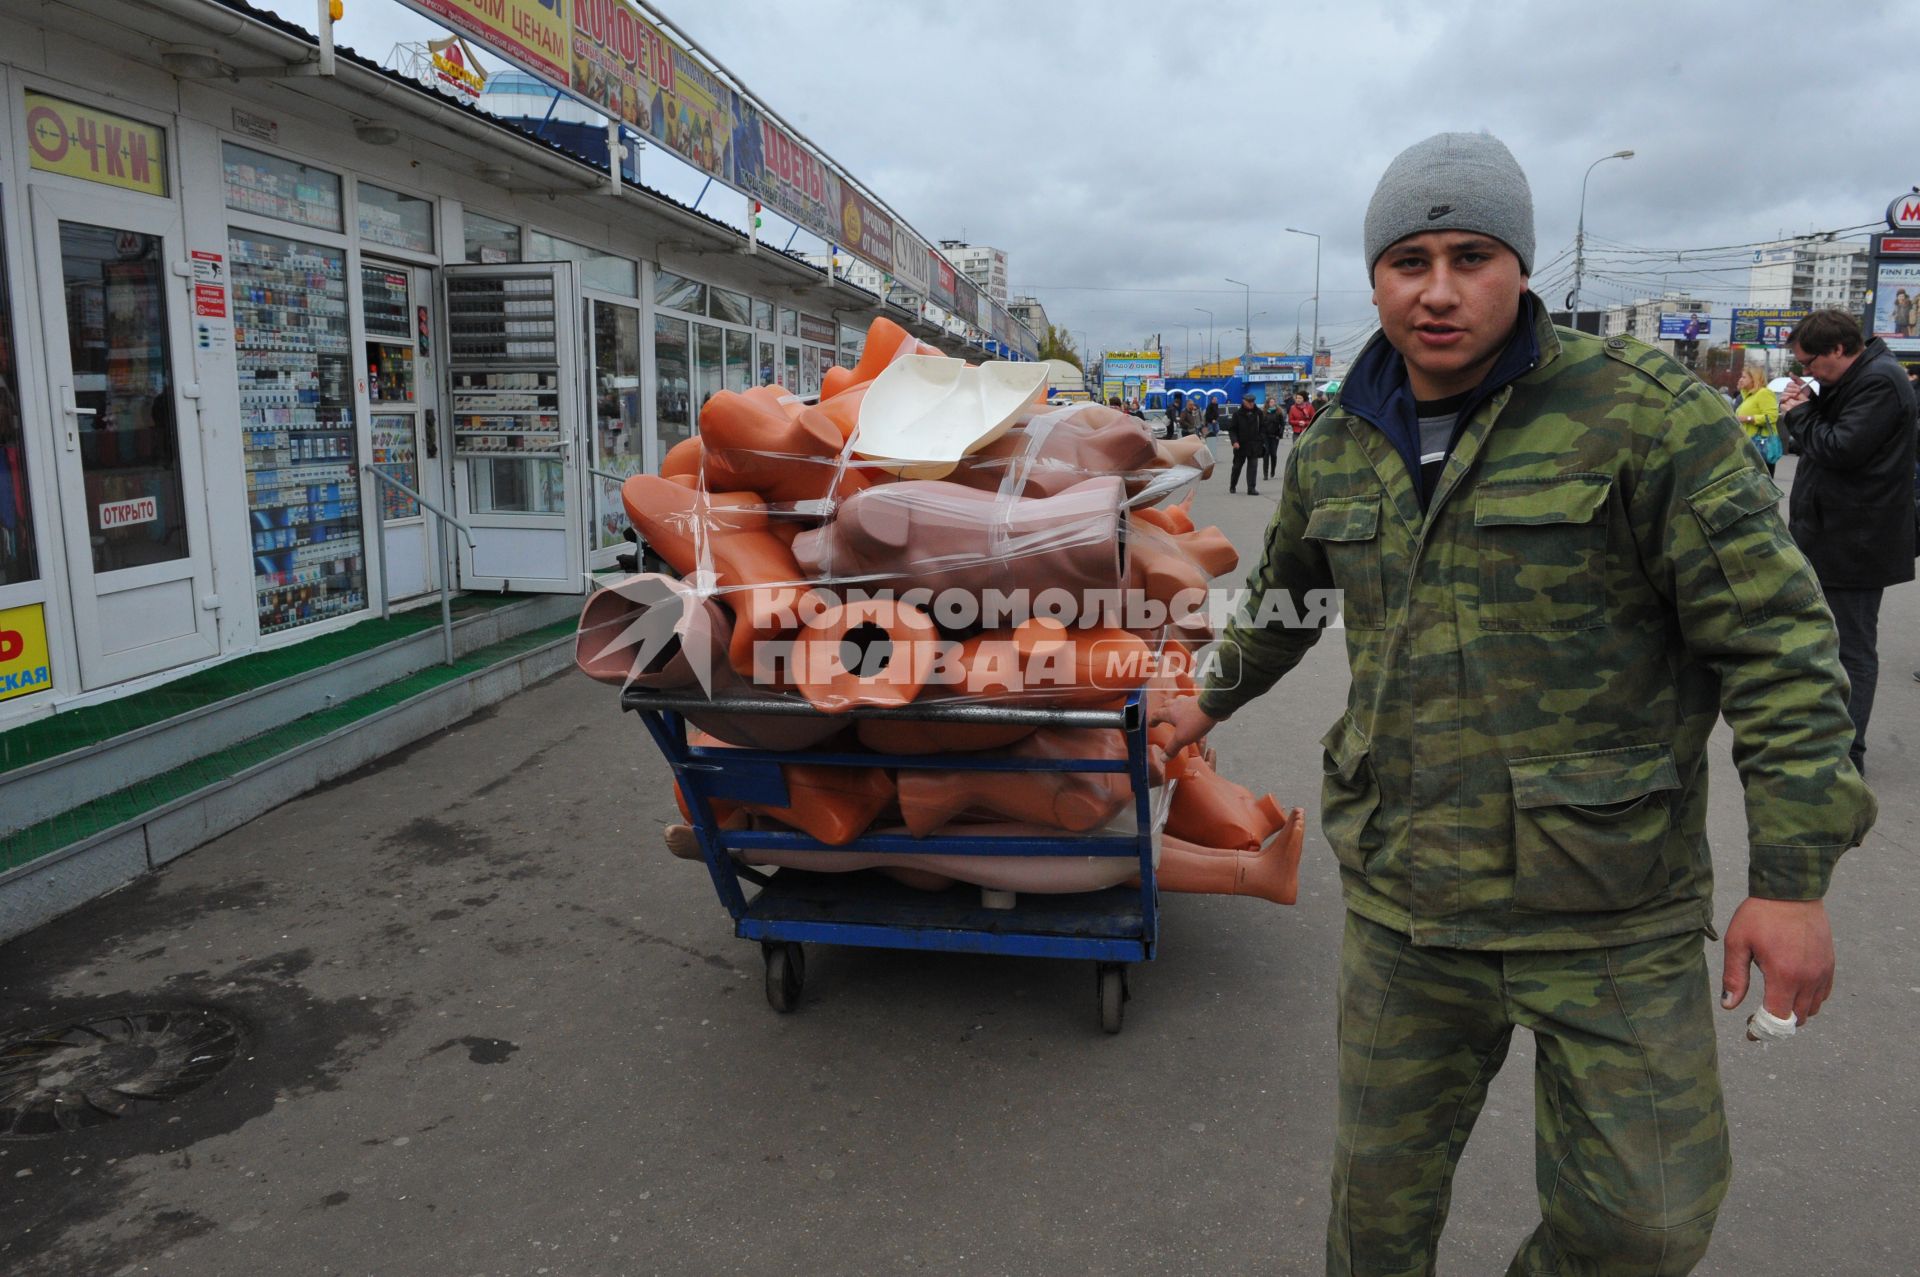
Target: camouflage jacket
<point>1539,658</point>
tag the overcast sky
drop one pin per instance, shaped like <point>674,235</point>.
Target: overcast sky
<point>1128,160</point>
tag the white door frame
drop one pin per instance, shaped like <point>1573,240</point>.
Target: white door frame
<point>183,586</point>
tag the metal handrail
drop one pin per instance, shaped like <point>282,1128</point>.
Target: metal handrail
<point>608,474</point>
<point>440,532</point>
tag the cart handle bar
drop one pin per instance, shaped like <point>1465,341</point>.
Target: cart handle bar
<point>1127,718</point>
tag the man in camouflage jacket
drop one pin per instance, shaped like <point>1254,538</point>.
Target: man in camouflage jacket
<point>1559,563</point>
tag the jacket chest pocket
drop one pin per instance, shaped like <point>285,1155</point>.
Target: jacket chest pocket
<point>1590,830</point>
<point>1347,530</point>
<point>1543,551</point>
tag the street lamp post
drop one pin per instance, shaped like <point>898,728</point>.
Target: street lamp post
<point>1313,369</point>
<point>1296,320</point>
<point>1249,316</point>
<point>1580,234</point>
<point>1209,314</point>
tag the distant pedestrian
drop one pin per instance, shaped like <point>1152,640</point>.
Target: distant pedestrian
<point>1300,415</point>
<point>1213,417</point>
<point>1273,426</point>
<point>1852,505</point>
<point>1759,415</point>
<point>1249,445</point>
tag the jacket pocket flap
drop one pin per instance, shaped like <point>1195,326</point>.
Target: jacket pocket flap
<point>1347,747</point>
<point>1356,520</point>
<point>1725,502</point>
<point>1599,779</point>
<point>1571,500</point>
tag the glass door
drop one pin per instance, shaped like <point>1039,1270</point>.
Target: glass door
<point>619,443</point>
<point>131,485</point>
<point>516,382</point>
<point>399,397</point>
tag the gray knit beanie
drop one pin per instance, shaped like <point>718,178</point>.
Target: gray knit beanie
<point>1452,182</point>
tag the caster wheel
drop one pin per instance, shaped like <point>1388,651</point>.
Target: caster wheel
<point>786,976</point>
<point>1110,984</point>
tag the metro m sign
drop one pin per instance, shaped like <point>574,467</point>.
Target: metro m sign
<point>1904,213</point>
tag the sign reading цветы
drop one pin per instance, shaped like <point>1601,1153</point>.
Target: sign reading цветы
<point>124,514</point>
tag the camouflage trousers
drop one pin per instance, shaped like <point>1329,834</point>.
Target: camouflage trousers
<point>1630,1140</point>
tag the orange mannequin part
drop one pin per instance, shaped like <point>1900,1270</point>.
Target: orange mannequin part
<point>683,458</point>
<point>1191,451</point>
<point>1208,547</point>
<point>1074,801</point>
<point>753,569</point>
<point>884,341</point>
<point>933,535</point>
<point>1271,873</point>
<point>690,635</point>
<point>751,443</point>
<point>1208,808</point>
<point>832,804</point>
<point>891,646</point>
<point>1157,567</point>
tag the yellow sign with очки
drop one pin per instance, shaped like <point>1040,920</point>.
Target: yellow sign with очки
<point>95,146</point>
<point>24,668</point>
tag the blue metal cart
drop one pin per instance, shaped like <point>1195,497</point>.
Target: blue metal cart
<point>1112,928</point>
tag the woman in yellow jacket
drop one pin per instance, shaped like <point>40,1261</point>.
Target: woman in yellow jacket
<point>1759,414</point>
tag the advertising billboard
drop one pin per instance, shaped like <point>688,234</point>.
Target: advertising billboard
<point>1684,325</point>
<point>607,55</point>
<point>1896,305</point>
<point>1764,325</point>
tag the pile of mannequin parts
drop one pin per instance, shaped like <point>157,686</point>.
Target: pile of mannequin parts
<point>852,552</point>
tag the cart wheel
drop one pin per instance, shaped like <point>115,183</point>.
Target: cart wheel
<point>1110,982</point>
<point>786,976</point>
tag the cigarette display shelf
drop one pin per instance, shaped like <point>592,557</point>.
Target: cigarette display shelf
<point>301,444</point>
<point>499,321</point>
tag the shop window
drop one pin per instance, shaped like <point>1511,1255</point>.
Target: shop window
<point>296,410</point>
<point>767,371</point>
<point>677,292</point>
<point>616,414</point>
<point>730,306</point>
<point>19,561</point>
<point>739,374</point>
<point>605,271</point>
<point>395,220</point>
<point>672,382</point>
<point>709,362</point>
<point>789,323</point>
<point>284,190</point>
<point>490,240</point>
<point>852,342</point>
<point>763,315</point>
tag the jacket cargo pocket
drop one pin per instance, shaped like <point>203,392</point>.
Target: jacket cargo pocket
<point>1543,552</point>
<point>1348,531</point>
<point>1349,793</point>
<point>1589,829</point>
<point>1756,557</point>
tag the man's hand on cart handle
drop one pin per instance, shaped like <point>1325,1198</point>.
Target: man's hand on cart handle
<point>1190,723</point>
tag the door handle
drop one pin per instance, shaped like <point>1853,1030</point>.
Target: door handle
<point>71,407</point>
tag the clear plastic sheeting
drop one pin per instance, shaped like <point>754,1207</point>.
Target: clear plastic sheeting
<point>1055,564</point>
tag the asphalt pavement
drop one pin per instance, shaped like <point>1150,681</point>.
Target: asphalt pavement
<point>490,1027</point>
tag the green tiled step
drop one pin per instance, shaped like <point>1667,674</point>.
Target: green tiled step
<point>64,733</point>
<point>116,809</point>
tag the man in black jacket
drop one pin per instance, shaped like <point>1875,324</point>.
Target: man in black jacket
<point>1249,445</point>
<point>1852,506</point>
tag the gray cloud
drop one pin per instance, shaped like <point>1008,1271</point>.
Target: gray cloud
<point>1131,146</point>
